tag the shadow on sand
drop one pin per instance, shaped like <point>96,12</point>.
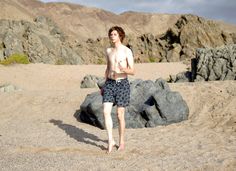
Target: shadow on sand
<point>78,134</point>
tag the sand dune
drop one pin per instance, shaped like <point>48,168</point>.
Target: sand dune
<point>38,130</point>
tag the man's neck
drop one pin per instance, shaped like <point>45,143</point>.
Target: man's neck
<point>117,45</point>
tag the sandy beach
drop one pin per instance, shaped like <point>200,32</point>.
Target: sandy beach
<point>39,132</point>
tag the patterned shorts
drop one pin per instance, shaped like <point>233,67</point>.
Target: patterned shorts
<point>117,92</point>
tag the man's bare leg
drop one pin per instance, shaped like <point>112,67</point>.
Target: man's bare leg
<point>107,107</point>
<point>121,120</point>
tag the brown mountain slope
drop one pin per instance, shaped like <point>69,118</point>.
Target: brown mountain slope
<point>77,20</point>
<point>14,10</point>
<point>80,22</point>
<point>143,23</point>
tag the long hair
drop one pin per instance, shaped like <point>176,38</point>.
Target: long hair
<point>120,31</point>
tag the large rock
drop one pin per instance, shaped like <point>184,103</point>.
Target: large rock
<point>170,108</point>
<point>210,64</point>
<point>185,76</point>
<point>151,104</point>
<point>216,63</point>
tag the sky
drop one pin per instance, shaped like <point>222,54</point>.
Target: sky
<point>224,10</point>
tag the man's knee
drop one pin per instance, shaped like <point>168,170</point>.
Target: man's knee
<point>120,113</point>
<point>106,112</point>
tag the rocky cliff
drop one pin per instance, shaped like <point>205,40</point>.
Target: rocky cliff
<point>178,43</point>
<point>64,33</point>
<point>42,41</point>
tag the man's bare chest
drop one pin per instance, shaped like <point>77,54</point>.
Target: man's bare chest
<point>116,56</point>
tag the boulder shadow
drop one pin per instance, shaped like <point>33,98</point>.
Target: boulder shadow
<point>78,133</point>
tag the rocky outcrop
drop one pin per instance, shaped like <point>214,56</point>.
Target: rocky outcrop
<point>194,32</point>
<point>92,51</point>
<point>210,64</point>
<point>215,64</point>
<point>152,37</point>
<point>41,41</point>
<point>152,104</point>
<point>179,43</point>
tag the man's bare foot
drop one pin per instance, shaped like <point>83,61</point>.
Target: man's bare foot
<point>121,147</point>
<point>110,146</point>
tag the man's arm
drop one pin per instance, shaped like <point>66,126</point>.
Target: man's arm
<point>130,63</point>
<point>107,69</point>
<point>106,72</point>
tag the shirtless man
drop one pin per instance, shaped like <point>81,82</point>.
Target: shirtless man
<point>116,90</point>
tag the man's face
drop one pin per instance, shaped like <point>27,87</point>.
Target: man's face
<point>114,36</point>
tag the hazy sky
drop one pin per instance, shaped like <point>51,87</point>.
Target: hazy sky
<point>211,9</point>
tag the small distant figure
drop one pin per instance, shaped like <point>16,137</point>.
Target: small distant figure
<point>116,91</point>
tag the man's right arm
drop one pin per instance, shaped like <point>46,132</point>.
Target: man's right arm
<point>107,68</point>
<point>106,71</point>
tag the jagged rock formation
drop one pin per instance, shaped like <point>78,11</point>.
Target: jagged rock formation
<point>177,44</point>
<point>210,64</point>
<point>152,37</point>
<point>41,41</point>
<point>216,64</point>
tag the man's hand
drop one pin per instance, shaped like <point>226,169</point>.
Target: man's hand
<point>122,69</point>
<point>129,71</point>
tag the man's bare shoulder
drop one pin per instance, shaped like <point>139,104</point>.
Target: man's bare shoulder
<point>128,51</point>
<point>108,50</point>
<point>126,48</point>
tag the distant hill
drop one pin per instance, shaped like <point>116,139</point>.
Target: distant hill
<point>80,22</point>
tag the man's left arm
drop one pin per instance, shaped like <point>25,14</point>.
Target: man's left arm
<point>130,63</point>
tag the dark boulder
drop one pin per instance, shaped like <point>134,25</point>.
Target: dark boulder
<point>151,104</point>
